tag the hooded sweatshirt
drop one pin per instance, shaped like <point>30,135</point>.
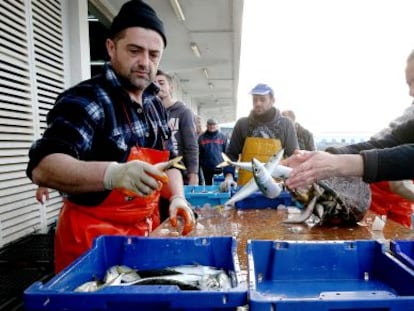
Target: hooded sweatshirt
<point>184,136</point>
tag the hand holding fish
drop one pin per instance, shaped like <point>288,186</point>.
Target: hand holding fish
<point>309,167</point>
<point>180,207</point>
<point>138,178</point>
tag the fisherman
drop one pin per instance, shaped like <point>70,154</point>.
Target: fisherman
<point>260,135</point>
<point>102,139</point>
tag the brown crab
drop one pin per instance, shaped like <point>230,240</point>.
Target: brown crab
<point>337,201</point>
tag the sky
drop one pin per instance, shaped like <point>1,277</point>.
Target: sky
<point>338,64</point>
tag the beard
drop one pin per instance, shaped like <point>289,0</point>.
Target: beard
<point>132,82</point>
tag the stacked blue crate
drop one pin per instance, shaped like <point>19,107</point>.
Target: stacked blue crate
<point>328,275</point>
<point>200,196</point>
<point>403,250</point>
<point>258,200</point>
<point>141,253</point>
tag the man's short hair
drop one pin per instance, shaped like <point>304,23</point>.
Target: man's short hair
<point>166,75</point>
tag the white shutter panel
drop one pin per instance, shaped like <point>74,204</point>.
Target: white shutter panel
<point>31,76</point>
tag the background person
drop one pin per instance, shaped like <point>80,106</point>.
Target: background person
<point>212,143</point>
<point>183,127</point>
<point>102,139</point>
<point>305,137</point>
<point>260,135</point>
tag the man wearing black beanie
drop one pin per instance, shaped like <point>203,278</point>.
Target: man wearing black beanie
<point>137,13</point>
<point>103,139</point>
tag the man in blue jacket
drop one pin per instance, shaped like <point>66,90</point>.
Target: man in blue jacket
<point>211,144</point>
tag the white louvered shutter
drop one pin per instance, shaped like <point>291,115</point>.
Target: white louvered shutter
<point>31,76</point>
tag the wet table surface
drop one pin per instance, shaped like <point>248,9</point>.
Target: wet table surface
<point>267,224</point>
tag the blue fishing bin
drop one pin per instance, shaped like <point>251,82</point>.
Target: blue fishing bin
<point>326,275</point>
<point>218,179</point>
<point>258,200</point>
<point>140,253</point>
<point>404,251</point>
<point>199,196</point>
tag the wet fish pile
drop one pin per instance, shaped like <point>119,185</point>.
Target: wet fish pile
<point>337,201</point>
<point>186,277</point>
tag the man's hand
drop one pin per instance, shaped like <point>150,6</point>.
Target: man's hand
<point>179,207</point>
<point>42,195</point>
<point>228,184</point>
<point>136,176</point>
<point>193,179</point>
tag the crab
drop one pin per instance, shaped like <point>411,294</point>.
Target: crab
<point>337,201</point>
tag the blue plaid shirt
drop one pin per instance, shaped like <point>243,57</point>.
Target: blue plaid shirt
<point>97,121</point>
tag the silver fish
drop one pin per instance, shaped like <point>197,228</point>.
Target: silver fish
<point>277,170</point>
<point>307,212</point>
<point>264,180</point>
<point>251,186</point>
<point>186,277</point>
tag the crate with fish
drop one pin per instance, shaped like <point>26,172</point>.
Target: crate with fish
<point>202,196</point>
<point>326,275</point>
<point>146,273</point>
<point>258,200</point>
<point>403,250</point>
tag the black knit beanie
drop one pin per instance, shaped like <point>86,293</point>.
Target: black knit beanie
<point>136,13</point>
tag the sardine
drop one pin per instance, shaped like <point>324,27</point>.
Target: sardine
<point>308,210</point>
<point>251,186</point>
<point>186,277</point>
<point>264,180</point>
<point>277,170</point>
<point>227,161</point>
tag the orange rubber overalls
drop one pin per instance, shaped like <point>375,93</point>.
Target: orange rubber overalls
<point>118,214</point>
<point>385,202</point>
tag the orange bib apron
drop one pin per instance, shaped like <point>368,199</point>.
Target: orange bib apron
<point>385,202</point>
<point>118,214</point>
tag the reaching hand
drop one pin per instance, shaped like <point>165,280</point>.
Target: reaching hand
<point>135,176</point>
<point>179,207</point>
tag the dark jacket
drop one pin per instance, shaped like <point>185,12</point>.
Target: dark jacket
<point>211,145</point>
<point>388,158</point>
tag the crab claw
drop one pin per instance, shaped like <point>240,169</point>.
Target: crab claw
<point>179,207</point>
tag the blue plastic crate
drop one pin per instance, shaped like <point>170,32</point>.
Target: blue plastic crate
<point>199,196</point>
<point>258,200</point>
<point>218,179</point>
<point>404,251</point>
<point>328,275</point>
<point>140,253</point>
